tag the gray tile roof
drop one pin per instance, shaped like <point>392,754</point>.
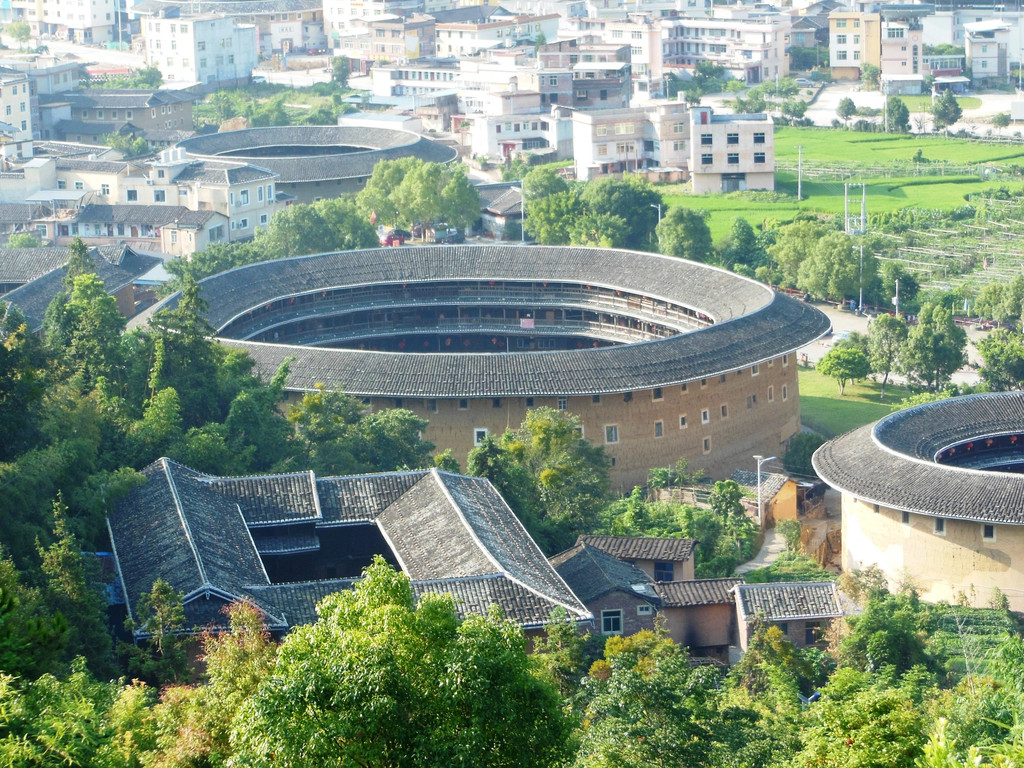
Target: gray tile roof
<point>22,213</point>
<point>226,173</point>
<point>118,267</point>
<point>21,265</point>
<point>591,574</point>
<point>153,215</point>
<point>752,323</point>
<point>449,533</point>
<point>771,482</point>
<point>67,149</point>
<point>685,594</point>
<point>92,166</point>
<point>372,145</point>
<point>891,462</point>
<point>126,98</point>
<point>789,601</point>
<point>91,128</point>
<point>643,547</point>
<point>173,527</point>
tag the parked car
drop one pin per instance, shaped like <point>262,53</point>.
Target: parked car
<point>450,235</point>
<point>392,238</point>
<point>803,82</point>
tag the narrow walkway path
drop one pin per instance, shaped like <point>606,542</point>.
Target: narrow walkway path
<point>773,545</point>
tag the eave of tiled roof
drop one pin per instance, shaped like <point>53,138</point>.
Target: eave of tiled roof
<point>685,594</point>
<point>643,547</point>
<point>890,463</point>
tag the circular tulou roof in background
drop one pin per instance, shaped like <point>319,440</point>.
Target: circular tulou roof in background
<point>371,146</point>
<point>893,462</point>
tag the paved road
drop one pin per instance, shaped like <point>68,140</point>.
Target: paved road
<point>843,320</point>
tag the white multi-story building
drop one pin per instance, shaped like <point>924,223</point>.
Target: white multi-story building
<point>15,114</point>
<point>729,153</point>
<point>344,18</point>
<point>83,21</point>
<point>750,45</point>
<point>610,142</point>
<point>988,48</point>
<point>643,34</point>
<point>212,50</point>
<point>464,38</point>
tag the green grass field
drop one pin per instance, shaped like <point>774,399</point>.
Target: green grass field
<point>923,103</point>
<point>828,414</point>
<point>822,147</point>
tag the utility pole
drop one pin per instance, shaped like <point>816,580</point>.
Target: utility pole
<point>857,226</point>
<point>799,172</point>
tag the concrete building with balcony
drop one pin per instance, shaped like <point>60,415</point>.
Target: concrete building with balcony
<point>902,41</point>
<point>615,141</point>
<point>390,39</point>
<point>643,34</point>
<point>750,45</point>
<point>84,21</point>
<point>729,153</point>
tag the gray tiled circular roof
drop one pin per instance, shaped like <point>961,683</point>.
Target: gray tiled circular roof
<point>752,323</point>
<point>891,462</point>
<point>374,145</point>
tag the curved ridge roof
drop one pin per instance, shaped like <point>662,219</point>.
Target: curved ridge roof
<point>891,462</point>
<point>752,323</point>
<point>373,145</point>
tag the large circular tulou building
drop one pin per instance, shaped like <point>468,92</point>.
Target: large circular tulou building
<point>316,162</point>
<point>935,495</point>
<point>660,358</point>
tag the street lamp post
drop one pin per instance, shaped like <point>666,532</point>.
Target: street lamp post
<point>658,206</point>
<point>522,212</point>
<point>760,510</point>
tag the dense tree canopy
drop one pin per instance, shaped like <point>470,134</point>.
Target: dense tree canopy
<point>684,233</point>
<point>383,680</point>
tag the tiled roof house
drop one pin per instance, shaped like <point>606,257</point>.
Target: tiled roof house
<point>802,610</point>
<point>283,542</point>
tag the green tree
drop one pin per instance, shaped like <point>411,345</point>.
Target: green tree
<point>647,706</point>
<point>832,270</point>
<point>684,233</point>
<point>374,199</point>
<point>600,230</point>
<point>340,70</point>
<point>742,246</point>
<point>846,109</point>
<point>334,224</point>
<point>20,31</point>
<point>630,198</point>
<point>1001,120</point>
<point>542,182</point>
<point>163,655</point>
<point>935,348</point>
<point>856,725</point>
<point>946,110</point>
<point>92,333</point>
<point>381,680</point>
<point>22,240</point>
<point>897,115</point>
<point>795,244</point>
<point>546,217</point>
<point>73,590</point>
<point>1002,355</point>
<point>31,638</point>
<point>185,356</point>
<point>891,631</point>
<point>886,339</point>
<point>551,477</point>
<point>869,75</point>
<point>845,365</point>
<point>802,446</point>
<point>21,383</point>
